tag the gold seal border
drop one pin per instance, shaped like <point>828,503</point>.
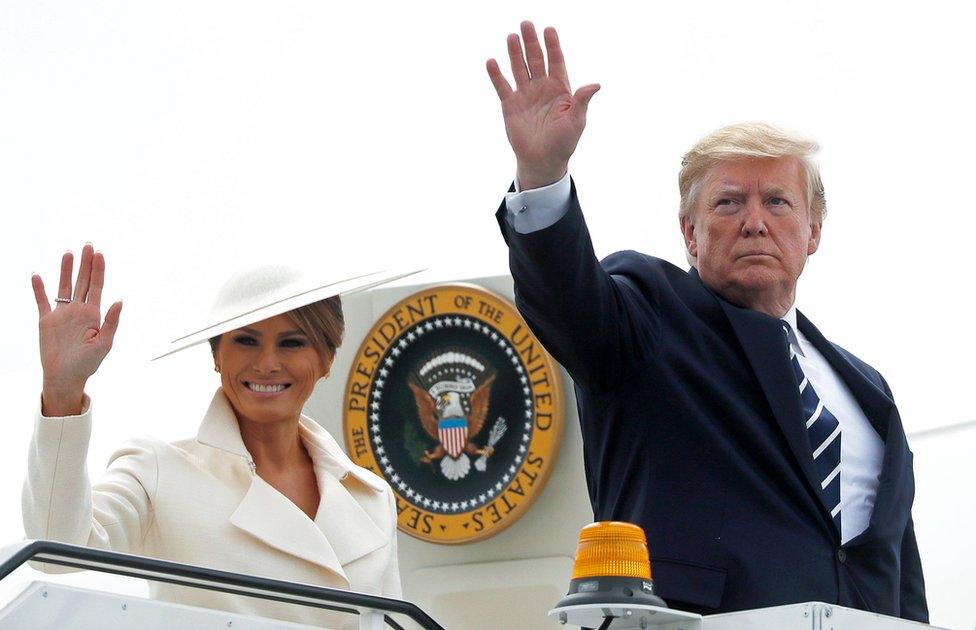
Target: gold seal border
<point>553,443</point>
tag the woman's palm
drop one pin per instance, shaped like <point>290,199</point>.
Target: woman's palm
<point>73,338</point>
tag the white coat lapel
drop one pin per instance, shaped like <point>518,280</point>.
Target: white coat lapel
<point>352,499</point>
<point>350,530</point>
<point>269,516</point>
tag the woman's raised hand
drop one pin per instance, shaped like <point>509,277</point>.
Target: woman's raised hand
<point>73,338</point>
<point>544,118</point>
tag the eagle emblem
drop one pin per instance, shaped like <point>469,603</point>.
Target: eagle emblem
<point>452,391</point>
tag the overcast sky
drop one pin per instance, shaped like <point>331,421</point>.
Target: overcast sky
<point>186,139</point>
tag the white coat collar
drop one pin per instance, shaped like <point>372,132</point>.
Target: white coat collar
<point>349,522</point>
<point>220,430</point>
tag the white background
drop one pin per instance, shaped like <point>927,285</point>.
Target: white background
<point>186,139</point>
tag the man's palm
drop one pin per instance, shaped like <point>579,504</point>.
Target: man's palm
<point>544,119</point>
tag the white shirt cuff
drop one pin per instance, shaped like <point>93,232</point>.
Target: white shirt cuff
<point>537,208</point>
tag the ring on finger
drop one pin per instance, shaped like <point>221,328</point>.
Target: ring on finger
<point>63,300</point>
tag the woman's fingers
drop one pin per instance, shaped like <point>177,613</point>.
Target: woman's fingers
<point>97,279</point>
<point>84,273</point>
<point>64,285</point>
<point>43,306</point>
<point>111,324</point>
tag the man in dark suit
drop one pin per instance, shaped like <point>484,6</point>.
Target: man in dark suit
<point>767,465</point>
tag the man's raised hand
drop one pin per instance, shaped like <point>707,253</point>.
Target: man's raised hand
<point>544,118</point>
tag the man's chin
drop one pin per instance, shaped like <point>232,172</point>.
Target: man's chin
<point>745,287</point>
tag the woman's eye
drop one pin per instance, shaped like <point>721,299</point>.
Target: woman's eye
<point>245,340</point>
<point>293,343</point>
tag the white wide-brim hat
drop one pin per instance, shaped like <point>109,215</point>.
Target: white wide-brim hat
<point>257,294</point>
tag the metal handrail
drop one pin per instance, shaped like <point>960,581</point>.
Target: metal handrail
<point>130,565</point>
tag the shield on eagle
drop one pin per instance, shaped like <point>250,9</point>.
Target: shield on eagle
<point>453,434</point>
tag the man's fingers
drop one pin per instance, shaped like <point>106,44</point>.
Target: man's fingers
<point>557,64</point>
<point>43,306</point>
<point>97,279</point>
<point>111,324</point>
<point>84,273</point>
<point>585,93</point>
<point>502,87</point>
<point>64,284</point>
<point>517,59</point>
<point>533,51</point>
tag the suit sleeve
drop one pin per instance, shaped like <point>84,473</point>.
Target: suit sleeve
<point>913,602</point>
<point>580,312</point>
<point>60,504</point>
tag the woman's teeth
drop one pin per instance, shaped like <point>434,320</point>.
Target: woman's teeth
<point>265,389</point>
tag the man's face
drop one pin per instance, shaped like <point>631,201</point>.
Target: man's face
<point>751,231</point>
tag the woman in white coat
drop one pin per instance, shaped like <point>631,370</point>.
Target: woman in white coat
<point>261,489</point>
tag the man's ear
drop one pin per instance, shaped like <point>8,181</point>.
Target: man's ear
<point>688,231</point>
<point>814,243</point>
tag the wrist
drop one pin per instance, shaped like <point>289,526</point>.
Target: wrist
<point>59,399</point>
<point>529,178</point>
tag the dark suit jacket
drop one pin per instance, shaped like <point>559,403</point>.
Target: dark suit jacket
<point>692,428</point>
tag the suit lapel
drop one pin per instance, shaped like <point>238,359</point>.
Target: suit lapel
<point>764,345</point>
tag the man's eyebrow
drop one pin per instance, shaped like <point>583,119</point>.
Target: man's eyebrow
<point>781,191</point>
<point>726,188</point>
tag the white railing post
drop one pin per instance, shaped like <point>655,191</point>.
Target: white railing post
<point>371,620</point>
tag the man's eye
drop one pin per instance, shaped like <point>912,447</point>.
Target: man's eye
<point>779,201</point>
<point>245,340</point>
<point>726,205</point>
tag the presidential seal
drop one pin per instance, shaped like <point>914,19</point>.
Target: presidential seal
<point>453,401</point>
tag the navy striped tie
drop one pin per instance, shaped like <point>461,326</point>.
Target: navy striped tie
<point>823,429</point>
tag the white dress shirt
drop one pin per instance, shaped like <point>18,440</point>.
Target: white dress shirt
<point>862,450</point>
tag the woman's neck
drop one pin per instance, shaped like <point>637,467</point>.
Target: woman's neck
<point>273,446</point>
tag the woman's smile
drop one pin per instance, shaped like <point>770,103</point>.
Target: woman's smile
<point>268,369</point>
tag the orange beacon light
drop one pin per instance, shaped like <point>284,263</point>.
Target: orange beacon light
<point>612,566</point>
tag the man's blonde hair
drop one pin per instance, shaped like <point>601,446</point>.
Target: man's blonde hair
<point>745,141</point>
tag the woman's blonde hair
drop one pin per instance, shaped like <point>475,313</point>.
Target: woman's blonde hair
<point>322,322</point>
<point>745,141</point>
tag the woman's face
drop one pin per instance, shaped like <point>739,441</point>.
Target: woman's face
<point>268,369</point>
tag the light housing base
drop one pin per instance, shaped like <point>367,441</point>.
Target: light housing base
<point>611,590</point>
<point>626,617</point>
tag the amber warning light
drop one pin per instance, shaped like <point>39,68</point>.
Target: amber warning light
<point>612,567</point>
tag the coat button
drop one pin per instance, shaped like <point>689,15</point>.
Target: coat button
<point>842,555</point>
